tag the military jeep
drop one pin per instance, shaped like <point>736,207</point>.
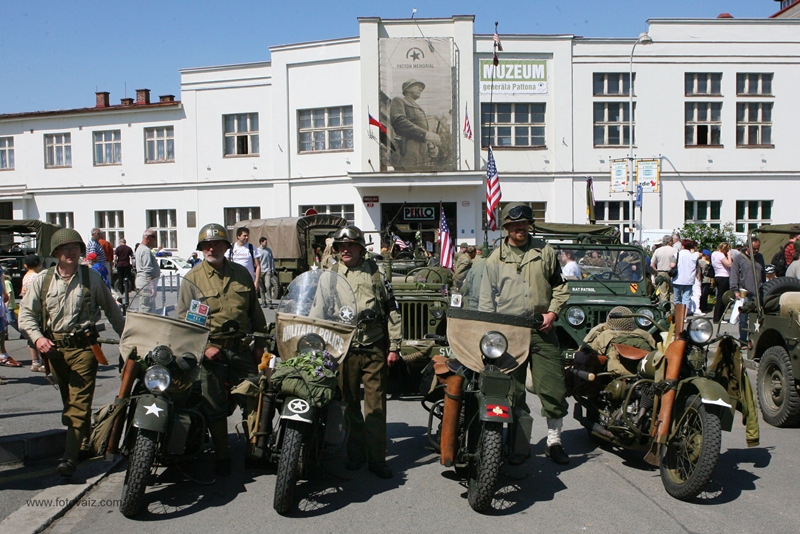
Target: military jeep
<point>774,335</point>
<point>607,274</point>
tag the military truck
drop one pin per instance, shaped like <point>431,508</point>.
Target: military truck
<point>297,243</point>
<point>774,334</point>
<point>20,238</point>
<point>605,274</point>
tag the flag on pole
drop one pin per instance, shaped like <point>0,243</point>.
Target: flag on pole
<point>467,127</point>
<point>493,193</point>
<point>496,39</point>
<point>446,249</point>
<point>402,245</point>
<point>590,204</point>
<point>375,122</point>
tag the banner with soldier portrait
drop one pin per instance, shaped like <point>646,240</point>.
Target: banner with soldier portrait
<point>417,105</point>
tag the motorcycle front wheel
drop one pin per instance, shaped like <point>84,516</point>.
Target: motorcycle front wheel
<point>690,457</point>
<point>484,469</point>
<point>288,467</point>
<point>140,464</point>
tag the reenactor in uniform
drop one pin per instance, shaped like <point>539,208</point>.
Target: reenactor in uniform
<point>366,363</point>
<point>536,262</point>
<point>462,266</point>
<point>230,295</point>
<point>58,315</point>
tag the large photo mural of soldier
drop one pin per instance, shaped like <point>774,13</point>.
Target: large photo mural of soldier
<point>417,105</point>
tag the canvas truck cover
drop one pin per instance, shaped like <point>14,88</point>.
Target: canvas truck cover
<point>608,233</point>
<point>43,230</point>
<point>286,236</point>
<point>773,237</point>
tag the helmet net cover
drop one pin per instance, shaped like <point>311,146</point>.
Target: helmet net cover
<point>622,324</point>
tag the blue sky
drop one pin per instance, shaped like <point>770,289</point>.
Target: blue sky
<point>58,53</point>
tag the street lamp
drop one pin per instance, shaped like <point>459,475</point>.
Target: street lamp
<point>644,39</point>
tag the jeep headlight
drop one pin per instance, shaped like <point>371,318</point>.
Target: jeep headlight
<point>576,316</point>
<point>310,343</point>
<point>437,313</point>
<point>644,323</point>
<point>157,378</point>
<point>700,330</point>
<point>493,345</point>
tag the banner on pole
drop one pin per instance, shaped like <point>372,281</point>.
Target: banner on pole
<point>648,174</point>
<point>619,175</point>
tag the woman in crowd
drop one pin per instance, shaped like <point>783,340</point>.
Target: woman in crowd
<point>721,261</point>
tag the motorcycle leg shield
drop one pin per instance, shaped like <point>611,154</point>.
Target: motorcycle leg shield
<point>522,436</point>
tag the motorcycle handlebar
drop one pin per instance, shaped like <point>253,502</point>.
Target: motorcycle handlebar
<point>108,341</point>
<point>584,375</point>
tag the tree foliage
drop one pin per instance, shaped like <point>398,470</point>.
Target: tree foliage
<point>708,237</point>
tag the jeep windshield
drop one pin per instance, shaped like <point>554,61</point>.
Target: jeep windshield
<point>602,263</point>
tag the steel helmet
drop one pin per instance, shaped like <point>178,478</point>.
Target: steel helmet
<point>64,236</point>
<point>348,234</point>
<point>516,211</point>
<point>213,232</point>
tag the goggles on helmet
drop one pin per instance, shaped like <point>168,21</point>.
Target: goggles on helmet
<point>518,213</point>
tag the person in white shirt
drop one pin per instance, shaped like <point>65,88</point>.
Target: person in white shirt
<point>683,283</point>
<point>245,254</point>
<point>570,270</point>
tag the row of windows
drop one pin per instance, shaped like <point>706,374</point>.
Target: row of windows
<point>695,84</point>
<point>750,214</point>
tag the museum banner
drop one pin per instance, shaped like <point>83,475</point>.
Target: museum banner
<point>513,76</point>
<point>417,105</point>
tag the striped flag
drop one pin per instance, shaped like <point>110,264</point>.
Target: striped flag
<point>496,40</point>
<point>467,127</point>
<point>447,251</point>
<point>402,245</point>
<point>493,193</point>
<point>375,122</point>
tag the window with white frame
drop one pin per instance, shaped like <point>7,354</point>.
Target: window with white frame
<point>159,144</point>
<point>751,214</point>
<point>611,126</point>
<point>615,213</point>
<point>165,224</point>
<point>58,150</point>
<point>703,83</point>
<point>539,211</point>
<point>754,83</point>
<point>65,219</point>
<point>6,153</point>
<point>234,215</point>
<point>112,223</point>
<point>611,83</point>
<point>241,134</point>
<point>754,124</point>
<point>703,212</point>
<point>345,211</point>
<point>513,125</point>
<point>324,129</point>
<point>108,147</point>
<point>703,123</point>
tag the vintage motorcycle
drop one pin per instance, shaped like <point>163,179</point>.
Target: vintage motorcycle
<point>474,398</point>
<point>672,406</point>
<point>315,324</point>
<point>162,349</point>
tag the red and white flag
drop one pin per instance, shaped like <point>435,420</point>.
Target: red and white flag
<point>399,243</point>
<point>447,251</point>
<point>467,127</point>
<point>493,193</point>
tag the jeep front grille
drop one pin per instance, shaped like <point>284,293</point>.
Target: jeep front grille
<point>595,318</point>
<point>415,319</point>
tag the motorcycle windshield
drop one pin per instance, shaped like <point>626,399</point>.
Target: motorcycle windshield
<point>506,304</point>
<point>173,319</point>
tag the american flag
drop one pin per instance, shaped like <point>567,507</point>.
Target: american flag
<point>447,251</point>
<point>496,39</point>
<point>493,193</point>
<point>400,243</point>
<point>467,127</point>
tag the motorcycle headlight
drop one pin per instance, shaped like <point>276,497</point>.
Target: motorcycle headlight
<point>493,345</point>
<point>310,343</point>
<point>157,378</point>
<point>644,323</point>
<point>700,330</point>
<point>576,316</point>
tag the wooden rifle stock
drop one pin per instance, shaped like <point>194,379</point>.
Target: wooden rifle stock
<point>674,358</point>
<point>450,417</point>
<point>129,375</point>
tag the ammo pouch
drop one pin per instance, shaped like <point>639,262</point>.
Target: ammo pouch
<point>103,424</point>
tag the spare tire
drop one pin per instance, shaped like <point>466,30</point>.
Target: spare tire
<point>771,292</point>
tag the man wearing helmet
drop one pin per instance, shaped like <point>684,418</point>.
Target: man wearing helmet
<point>416,144</point>
<point>58,308</point>
<point>368,358</point>
<point>522,255</point>
<point>231,296</point>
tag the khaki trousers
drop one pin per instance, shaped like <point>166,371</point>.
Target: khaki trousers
<point>75,371</point>
<point>367,433</point>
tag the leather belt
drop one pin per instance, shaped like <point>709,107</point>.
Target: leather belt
<point>71,341</point>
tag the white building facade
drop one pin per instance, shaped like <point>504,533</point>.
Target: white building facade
<point>713,113</point>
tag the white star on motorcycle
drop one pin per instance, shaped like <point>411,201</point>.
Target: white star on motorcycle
<point>298,406</point>
<point>153,409</point>
<point>346,314</point>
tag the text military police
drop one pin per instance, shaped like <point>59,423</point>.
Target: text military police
<point>524,273</point>
<point>58,308</point>
<point>231,296</point>
<point>368,358</point>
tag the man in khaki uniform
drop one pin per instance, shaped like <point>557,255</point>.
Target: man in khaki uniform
<point>463,264</point>
<point>366,363</point>
<point>55,319</point>
<point>524,274</point>
<point>231,295</point>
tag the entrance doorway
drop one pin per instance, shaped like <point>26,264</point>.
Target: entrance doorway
<point>404,220</point>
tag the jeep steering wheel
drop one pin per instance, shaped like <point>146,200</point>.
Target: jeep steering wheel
<point>427,276</point>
